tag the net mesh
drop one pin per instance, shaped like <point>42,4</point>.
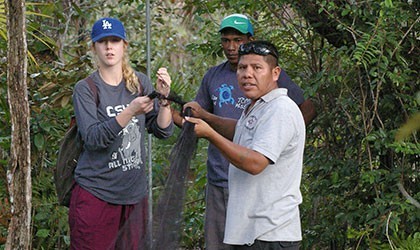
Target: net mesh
<point>167,220</point>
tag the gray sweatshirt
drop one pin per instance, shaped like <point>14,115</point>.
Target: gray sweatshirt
<point>112,163</point>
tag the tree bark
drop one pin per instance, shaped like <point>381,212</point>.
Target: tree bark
<point>19,170</point>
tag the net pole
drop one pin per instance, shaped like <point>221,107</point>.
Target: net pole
<point>150,179</point>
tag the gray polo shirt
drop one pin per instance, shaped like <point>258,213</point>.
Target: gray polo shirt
<point>266,206</point>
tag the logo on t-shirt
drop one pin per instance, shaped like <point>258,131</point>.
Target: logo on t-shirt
<point>128,156</point>
<point>225,94</point>
<point>251,122</point>
<point>130,149</point>
<point>242,103</point>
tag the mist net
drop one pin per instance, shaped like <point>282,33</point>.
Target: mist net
<point>168,216</point>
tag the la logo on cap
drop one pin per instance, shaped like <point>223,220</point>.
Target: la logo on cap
<point>106,25</point>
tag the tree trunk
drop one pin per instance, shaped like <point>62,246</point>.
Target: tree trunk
<point>19,171</point>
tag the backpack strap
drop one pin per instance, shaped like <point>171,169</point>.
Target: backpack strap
<point>93,88</point>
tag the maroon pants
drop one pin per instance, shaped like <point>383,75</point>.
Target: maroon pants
<point>96,224</point>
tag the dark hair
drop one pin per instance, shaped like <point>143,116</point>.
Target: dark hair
<point>262,48</point>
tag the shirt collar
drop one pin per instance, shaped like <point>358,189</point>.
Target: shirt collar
<point>274,94</point>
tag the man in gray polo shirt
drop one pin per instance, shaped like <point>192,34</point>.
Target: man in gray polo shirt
<point>266,155</point>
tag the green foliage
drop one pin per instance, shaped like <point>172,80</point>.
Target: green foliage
<point>354,140</point>
<point>410,242</point>
<point>50,223</point>
<point>3,31</point>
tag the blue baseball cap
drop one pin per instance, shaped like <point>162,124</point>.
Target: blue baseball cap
<point>107,26</point>
<point>239,22</point>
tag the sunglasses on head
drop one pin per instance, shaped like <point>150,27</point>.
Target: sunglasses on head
<point>259,49</point>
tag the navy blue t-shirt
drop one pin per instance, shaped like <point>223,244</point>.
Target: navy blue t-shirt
<point>220,94</point>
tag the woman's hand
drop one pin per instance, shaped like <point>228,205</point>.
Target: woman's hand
<point>163,82</point>
<point>141,105</point>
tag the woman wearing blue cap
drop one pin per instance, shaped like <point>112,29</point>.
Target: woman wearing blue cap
<point>108,207</point>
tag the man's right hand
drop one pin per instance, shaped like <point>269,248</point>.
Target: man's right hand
<point>197,110</point>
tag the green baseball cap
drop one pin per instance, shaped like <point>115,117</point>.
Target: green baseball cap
<point>239,22</point>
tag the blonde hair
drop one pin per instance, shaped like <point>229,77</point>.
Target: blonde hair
<point>132,82</point>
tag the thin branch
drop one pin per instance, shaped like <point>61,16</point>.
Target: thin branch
<point>407,195</point>
<point>405,35</point>
<point>387,234</point>
<point>275,13</point>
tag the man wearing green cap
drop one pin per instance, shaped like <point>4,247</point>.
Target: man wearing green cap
<point>219,94</point>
